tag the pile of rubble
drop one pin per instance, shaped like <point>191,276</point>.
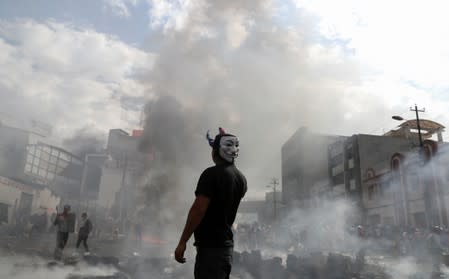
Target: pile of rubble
<point>318,265</point>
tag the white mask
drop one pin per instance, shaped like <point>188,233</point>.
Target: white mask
<point>229,148</point>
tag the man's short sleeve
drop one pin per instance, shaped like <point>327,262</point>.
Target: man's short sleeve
<point>206,184</point>
<point>245,186</point>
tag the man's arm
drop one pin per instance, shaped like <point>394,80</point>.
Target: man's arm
<point>89,226</point>
<point>194,218</point>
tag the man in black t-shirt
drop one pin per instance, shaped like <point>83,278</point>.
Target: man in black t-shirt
<point>218,194</point>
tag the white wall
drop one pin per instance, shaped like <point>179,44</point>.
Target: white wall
<point>111,180</point>
<point>44,201</point>
<point>10,191</point>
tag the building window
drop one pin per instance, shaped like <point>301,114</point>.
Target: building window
<point>27,168</point>
<point>374,191</point>
<point>47,162</point>
<point>370,192</point>
<point>337,169</point>
<point>351,163</point>
<point>352,184</point>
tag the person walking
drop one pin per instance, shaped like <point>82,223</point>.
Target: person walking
<point>84,231</point>
<point>63,229</point>
<point>218,194</point>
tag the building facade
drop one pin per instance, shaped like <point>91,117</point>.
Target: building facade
<point>26,158</point>
<point>19,201</point>
<point>389,178</point>
<point>304,162</point>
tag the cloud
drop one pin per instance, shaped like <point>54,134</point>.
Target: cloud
<point>120,7</point>
<point>406,39</point>
<point>69,77</point>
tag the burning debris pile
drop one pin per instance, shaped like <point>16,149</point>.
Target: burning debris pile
<point>248,265</point>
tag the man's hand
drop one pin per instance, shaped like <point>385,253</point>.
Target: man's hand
<point>196,214</point>
<point>179,252</point>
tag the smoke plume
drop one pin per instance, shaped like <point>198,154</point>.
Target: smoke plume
<point>233,64</point>
<point>84,141</point>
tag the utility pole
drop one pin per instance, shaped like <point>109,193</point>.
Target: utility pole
<point>416,110</point>
<point>274,183</point>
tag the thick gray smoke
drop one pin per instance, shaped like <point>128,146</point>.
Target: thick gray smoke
<point>233,64</point>
<point>173,141</point>
<point>171,133</point>
<point>85,141</point>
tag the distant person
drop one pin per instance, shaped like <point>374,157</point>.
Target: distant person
<point>360,231</point>
<point>138,233</point>
<point>127,227</point>
<point>84,231</point>
<point>218,195</point>
<point>115,234</point>
<point>405,245</point>
<point>63,229</point>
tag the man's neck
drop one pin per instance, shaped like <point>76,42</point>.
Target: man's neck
<point>223,163</point>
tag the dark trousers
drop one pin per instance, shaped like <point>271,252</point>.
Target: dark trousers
<point>83,239</point>
<point>213,263</point>
<point>61,241</point>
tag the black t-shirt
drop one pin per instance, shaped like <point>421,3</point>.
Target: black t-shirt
<point>225,185</point>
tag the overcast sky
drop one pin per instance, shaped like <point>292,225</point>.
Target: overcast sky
<point>261,68</point>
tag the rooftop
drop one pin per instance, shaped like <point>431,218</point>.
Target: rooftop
<point>409,129</point>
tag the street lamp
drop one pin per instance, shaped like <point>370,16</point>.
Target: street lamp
<point>416,110</point>
<point>396,117</point>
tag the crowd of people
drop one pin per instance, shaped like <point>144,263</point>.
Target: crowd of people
<point>380,239</point>
<point>406,241</point>
<point>428,246</point>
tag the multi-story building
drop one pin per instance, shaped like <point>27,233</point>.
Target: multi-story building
<point>381,174</point>
<point>304,162</point>
<point>119,186</point>
<point>21,195</point>
<point>19,200</point>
